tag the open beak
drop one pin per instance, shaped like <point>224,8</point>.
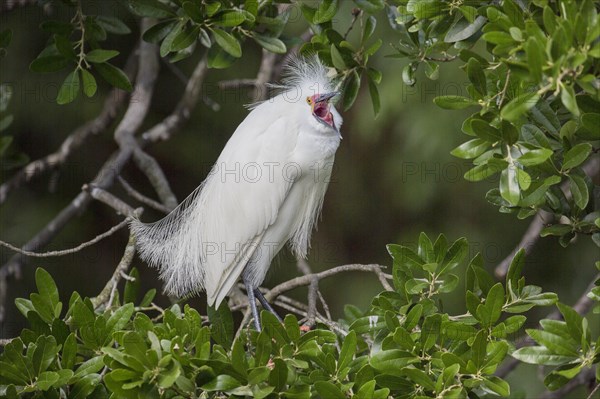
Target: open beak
<point>326,96</point>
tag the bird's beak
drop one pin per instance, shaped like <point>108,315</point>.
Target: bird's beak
<point>326,96</point>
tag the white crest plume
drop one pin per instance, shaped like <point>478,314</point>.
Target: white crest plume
<point>215,233</point>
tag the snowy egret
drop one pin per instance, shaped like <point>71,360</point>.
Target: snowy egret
<point>265,189</point>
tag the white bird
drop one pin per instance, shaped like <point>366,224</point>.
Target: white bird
<point>266,189</point>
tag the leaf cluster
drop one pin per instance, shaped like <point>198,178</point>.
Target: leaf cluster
<point>536,89</point>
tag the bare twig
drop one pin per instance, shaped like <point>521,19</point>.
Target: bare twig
<point>306,280</point>
<point>116,203</point>
<point>74,141</point>
<point>582,306</point>
<point>265,74</point>
<point>142,198</point>
<point>106,296</point>
<point>147,164</point>
<point>183,110</point>
<point>69,251</point>
<point>236,83</point>
<point>313,290</point>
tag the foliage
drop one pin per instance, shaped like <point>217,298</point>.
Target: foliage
<point>404,345</point>
<point>536,87</point>
<point>533,75</point>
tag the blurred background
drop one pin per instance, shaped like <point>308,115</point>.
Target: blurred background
<point>393,178</point>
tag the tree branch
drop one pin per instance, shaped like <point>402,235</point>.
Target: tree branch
<point>69,251</point>
<point>107,174</point>
<point>114,101</point>
<point>142,198</point>
<point>106,296</point>
<point>306,280</point>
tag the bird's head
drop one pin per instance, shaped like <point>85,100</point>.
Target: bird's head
<point>320,108</point>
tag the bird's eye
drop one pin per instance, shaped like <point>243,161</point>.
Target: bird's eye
<point>308,100</point>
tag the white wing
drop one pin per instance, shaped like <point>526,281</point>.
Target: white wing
<point>206,242</point>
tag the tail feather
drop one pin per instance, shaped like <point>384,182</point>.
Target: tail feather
<point>173,246</point>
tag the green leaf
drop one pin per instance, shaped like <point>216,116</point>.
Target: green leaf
<point>477,76</point>
<point>535,157</point>
<point>90,366</point>
<point>46,286</point>
<point>115,76</point>
<point>541,355</point>
<point>65,47</point>
<point>150,8</point>
<point>46,379</point>
<point>392,361</point>
<point>453,102</point>
<point>272,44</point>
<point>567,96</point>
<point>497,385</point>
<point>193,10</point>
<point>509,185</point>
<point>221,324</point>
<point>591,122</point>
<point>112,25</point>
<point>69,89</point>
<point>369,28</point>
<point>348,350</point>
<point>576,155</point>
<point>579,190</point>
<point>555,343</point>
<point>222,382</point>
<point>535,58</point>
<point>374,93</point>
<point>69,352</point>
<point>471,149</point>
<point>370,6</point>
<point>227,42</point>
<point>518,106</point>
<point>229,18</point>
<point>158,32</point>
<point>337,59</point>
<point>328,390</point>
<point>85,386</point>
<point>325,12</point>
<point>279,374</point>
<point>50,63</point>
<point>89,83</point>
<point>556,230</point>
<point>219,58</point>
<point>44,353</point>
<point>351,86</point>
<point>184,39</point>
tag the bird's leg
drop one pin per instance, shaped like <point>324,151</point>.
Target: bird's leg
<point>265,303</point>
<point>252,302</point>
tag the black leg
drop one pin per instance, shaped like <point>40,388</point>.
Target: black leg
<point>265,303</point>
<point>252,300</point>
